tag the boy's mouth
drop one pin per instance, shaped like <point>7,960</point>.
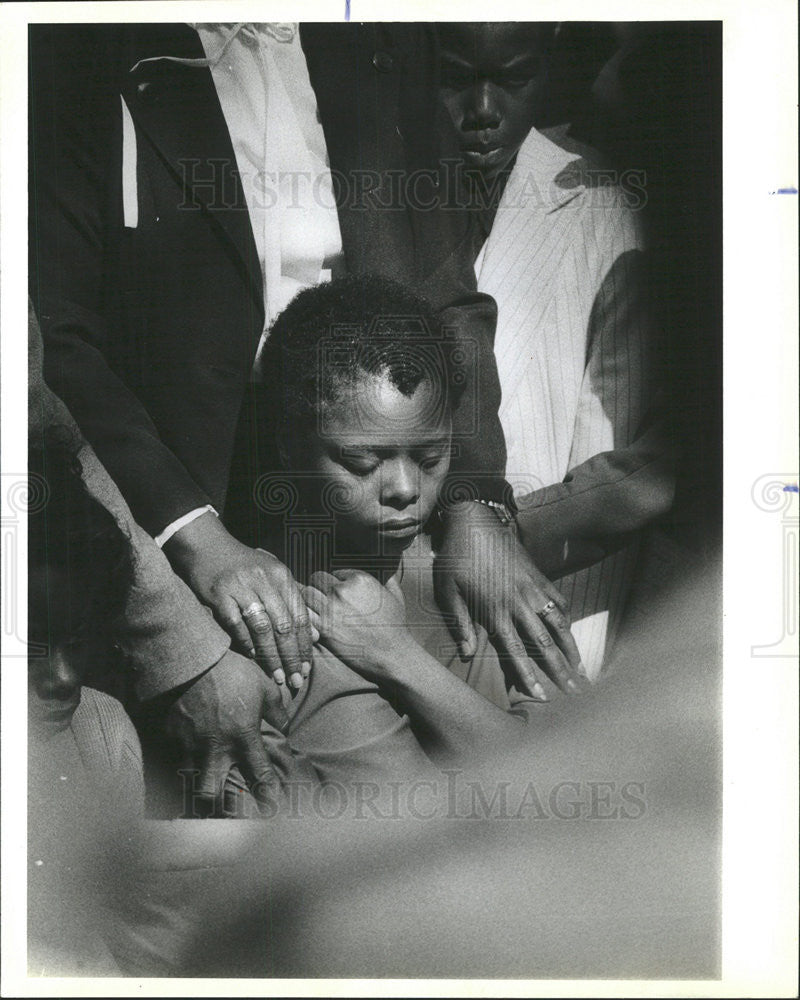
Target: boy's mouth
<point>484,156</point>
<point>54,715</point>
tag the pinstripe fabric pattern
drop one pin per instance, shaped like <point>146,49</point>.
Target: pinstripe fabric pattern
<point>563,263</point>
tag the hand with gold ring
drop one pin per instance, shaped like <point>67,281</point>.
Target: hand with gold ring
<point>483,574</point>
<point>252,595</point>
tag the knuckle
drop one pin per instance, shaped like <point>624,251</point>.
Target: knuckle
<point>260,625</point>
<point>544,639</point>
<point>283,626</point>
<point>278,573</point>
<point>525,668</point>
<point>208,785</point>
<point>262,780</point>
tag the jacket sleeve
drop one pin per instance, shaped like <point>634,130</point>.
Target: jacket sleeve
<point>167,636</point>
<point>75,226</point>
<point>621,461</point>
<point>600,504</point>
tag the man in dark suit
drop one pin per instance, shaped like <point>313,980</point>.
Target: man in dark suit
<point>150,275</point>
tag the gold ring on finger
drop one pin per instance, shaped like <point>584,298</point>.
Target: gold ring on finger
<point>256,608</point>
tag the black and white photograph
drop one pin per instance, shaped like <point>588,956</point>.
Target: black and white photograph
<point>374,481</point>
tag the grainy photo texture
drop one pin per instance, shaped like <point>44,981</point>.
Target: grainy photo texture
<point>374,512</point>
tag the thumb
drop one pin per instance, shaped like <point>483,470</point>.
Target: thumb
<point>345,574</point>
<point>456,614</point>
<point>213,773</point>
<point>272,707</point>
<point>259,773</point>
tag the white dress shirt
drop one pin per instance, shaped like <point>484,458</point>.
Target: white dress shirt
<point>261,78</point>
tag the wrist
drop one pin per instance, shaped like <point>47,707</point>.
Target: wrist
<point>460,490</point>
<point>174,526</point>
<point>480,511</point>
<point>401,666</point>
<point>503,513</point>
<point>193,539</point>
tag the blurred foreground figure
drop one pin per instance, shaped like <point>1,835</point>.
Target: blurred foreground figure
<point>85,781</point>
<point>599,858</point>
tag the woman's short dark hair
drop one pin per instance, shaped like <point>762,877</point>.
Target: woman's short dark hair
<point>329,336</point>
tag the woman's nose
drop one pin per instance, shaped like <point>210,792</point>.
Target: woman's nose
<point>483,109</point>
<point>400,484</point>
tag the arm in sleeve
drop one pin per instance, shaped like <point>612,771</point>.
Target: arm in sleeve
<point>469,320</point>
<point>75,216</point>
<point>621,476</point>
<point>447,240</point>
<point>167,636</point>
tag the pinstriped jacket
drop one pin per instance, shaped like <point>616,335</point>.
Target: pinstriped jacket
<point>575,355</point>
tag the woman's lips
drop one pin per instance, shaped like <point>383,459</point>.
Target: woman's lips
<point>400,528</point>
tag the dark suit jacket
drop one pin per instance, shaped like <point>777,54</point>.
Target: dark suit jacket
<point>150,332</point>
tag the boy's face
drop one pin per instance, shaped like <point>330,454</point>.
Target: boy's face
<point>55,675</point>
<point>381,457</point>
<point>491,83</point>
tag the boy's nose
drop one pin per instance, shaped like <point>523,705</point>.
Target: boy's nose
<point>483,111</point>
<point>57,679</point>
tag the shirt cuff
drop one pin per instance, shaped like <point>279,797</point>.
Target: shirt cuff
<point>181,522</point>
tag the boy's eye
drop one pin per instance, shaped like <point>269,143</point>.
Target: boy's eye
<point>456,77</point>
<point>79,638</point>
<point>516,82</point>
<point>76,642</point>
<point>520,76</point>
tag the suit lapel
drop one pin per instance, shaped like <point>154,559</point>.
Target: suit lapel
<point>176,108</point>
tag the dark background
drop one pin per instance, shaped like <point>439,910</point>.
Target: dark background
<point>648,95</point>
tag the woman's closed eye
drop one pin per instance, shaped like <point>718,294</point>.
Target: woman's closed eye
<point>429,461</point>
<point>360,464</point>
